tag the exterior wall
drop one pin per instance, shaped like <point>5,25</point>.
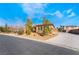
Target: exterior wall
<point>51,27</point>
<point>70,28</point>
<point>36,29</point>
<point>53,30</point>
<point>43,27</point>
<point>39,30</point>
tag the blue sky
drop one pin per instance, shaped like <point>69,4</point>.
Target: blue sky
<point>56,13</point>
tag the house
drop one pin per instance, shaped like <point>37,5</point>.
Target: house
<point>68,28</point>
<point>15,29</point>
<point>40,28</point>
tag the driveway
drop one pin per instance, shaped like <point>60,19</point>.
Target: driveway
<point>66,40</point>
<point>17,46</point>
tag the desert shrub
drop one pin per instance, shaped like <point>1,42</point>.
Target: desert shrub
<point>2,29</point>
<point>20,31</point>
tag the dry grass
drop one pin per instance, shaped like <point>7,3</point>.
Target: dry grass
<point>45,37</point>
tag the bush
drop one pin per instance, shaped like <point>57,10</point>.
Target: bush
<point>20,32</point>
<point>2,29</point>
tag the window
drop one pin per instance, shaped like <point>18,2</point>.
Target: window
<point>40,28</point>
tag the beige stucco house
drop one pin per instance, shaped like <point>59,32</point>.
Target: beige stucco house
<point>41,28</point>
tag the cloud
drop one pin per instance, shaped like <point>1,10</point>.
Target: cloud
<point>32,9</point>
<point>70,19</point>
<point>38,10</point>
<point>56,13</point>
<point>69,11</point>
<point>72,14</point>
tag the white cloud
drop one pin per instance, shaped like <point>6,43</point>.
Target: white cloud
<point>72,14</point>
<point>32,9</point>
<point>69,11</point>
<point>56,13</point>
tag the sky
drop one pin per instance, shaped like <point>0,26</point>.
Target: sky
<point>57,13</point>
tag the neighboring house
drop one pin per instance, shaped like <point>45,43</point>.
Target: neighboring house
<point>68,28</point>
<point>15,28</point>
<point>41,28</point>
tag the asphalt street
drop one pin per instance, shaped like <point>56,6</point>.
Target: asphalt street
<point>17,46</point>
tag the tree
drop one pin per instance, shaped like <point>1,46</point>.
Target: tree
<point>28,26</point>
<point>2,29</point>
<point>61,28</point>
<point>46,21</point>
<point>46,28</point>
<point>6,27</point>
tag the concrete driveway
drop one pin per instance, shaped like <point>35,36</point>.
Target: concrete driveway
<point>66,40</point>
<point>17,46</point>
